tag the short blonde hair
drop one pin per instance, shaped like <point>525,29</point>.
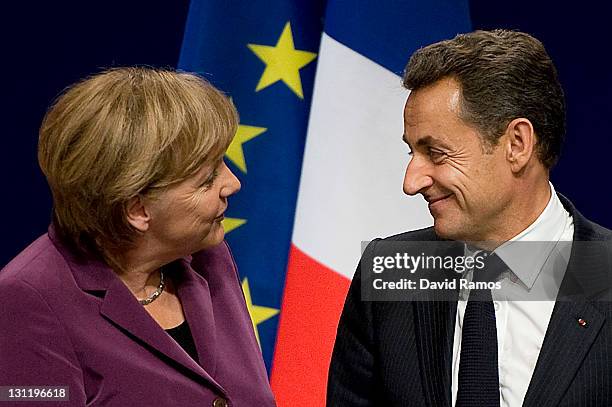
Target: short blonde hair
<point>121,133</point>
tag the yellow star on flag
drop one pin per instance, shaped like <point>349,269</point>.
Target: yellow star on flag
<point>230,224</point>
<point>258,313</point>
<point>235,152</point>
<point>283,62</point>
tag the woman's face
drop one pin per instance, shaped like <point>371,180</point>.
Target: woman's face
<point>187,216</point>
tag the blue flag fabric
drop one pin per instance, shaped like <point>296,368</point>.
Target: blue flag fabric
<point>389,31</point>
<point>263,55</point>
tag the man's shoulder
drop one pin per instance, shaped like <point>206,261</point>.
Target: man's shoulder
<point>584,229</point>
<point>420,235</point>
<point>414,239</point>
<point>593,231</point>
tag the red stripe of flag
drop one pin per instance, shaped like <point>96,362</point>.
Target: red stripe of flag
<point>313,300</point>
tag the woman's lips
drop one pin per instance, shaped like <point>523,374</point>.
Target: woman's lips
<point>222,216</point>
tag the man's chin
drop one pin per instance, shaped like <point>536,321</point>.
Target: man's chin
<point>444,230</point>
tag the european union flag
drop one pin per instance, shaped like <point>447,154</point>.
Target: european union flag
<point>263,54</point>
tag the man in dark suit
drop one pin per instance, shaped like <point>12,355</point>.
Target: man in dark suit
<point>485,122</point>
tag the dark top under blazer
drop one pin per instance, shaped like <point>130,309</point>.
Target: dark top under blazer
<point>400,353</point>
<point>71,322</point>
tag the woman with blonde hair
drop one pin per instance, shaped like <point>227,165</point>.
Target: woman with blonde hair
<point>132,297</point>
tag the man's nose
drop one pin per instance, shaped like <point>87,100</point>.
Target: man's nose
<point>417,177</point>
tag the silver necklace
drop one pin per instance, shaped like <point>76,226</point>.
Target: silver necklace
<point>157,292</point>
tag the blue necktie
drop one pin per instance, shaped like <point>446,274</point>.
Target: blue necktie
<point>478,367</point>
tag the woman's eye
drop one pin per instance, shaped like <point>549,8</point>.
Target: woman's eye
<point>210,180</point>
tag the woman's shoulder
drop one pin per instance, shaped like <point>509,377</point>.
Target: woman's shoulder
<point>29,283</point>
<point>33,333</point>
<point>36,266</point>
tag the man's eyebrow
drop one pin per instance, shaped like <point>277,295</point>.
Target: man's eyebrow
<point>430,140</point>
<point>425,141</point>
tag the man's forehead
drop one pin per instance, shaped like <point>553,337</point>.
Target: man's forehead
<point>443,95</point>
<point>431,112</point>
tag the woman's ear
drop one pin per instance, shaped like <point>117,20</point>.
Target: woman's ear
<point>137,213</point>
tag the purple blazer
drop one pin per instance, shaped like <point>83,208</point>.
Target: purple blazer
<point>68,322</point>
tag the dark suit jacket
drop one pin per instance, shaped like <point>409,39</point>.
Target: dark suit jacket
<point>71,322</point>
<point>400,353</point>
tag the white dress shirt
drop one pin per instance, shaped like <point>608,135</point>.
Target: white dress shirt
<point>525,303</point>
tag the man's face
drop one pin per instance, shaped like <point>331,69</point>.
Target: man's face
<point>466,187</point>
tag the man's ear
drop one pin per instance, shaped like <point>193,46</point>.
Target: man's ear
<point>520,143</point>
<point>137,213</point>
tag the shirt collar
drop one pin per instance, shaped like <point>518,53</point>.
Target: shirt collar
<point>527,260</point>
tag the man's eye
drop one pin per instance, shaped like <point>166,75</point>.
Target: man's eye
<point>436,156</point>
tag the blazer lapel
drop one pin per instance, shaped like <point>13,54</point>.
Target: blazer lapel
<point>195,296</point>
<point>120,307</point>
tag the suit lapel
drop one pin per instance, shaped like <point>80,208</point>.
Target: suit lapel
<point>567,341</point>
<point>565,346</point>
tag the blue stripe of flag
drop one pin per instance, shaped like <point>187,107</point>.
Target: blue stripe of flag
<point>389,31</point>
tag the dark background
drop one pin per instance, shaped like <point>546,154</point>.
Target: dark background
<point>577,36</point>
<point>47,46</point>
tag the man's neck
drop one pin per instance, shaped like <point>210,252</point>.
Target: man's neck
<point>518,216</point>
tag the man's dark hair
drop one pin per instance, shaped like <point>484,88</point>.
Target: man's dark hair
<point>503,75</point>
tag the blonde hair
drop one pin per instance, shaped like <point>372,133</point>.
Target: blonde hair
<point>121,133</point>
